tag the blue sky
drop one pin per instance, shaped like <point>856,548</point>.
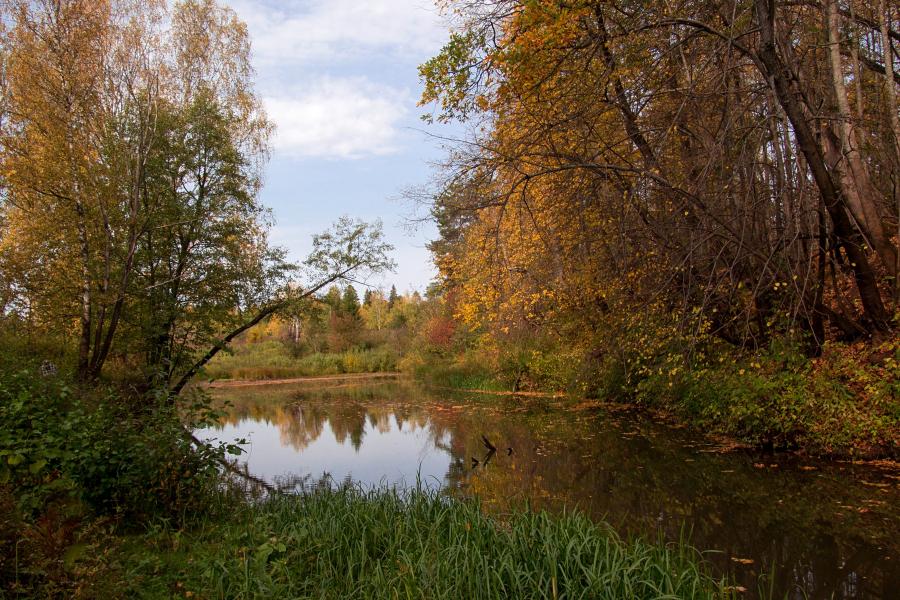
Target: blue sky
<point>339,79</point>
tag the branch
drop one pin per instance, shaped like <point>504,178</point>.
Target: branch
<point>233,469</point>
<point>701,27</point>
<point>262,314</point>
<point>872,65</point>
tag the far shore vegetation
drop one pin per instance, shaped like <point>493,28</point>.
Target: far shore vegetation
<point>845,402</point>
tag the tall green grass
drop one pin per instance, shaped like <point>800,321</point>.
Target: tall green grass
<point>468,372</point>
<point>387,544</point>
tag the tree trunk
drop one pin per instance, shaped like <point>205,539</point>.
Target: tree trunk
<point>784,81</point>
<point>853,176</point>
<point>192,372</point>
<point>84,346</point>
<point>262,314</point>
<point>890,99</point>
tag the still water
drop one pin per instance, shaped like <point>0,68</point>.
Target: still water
<point>818,530</point>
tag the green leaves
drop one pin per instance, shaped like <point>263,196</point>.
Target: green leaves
<point>452,78</point>
<point>351,247</point>
<point>55,446</point>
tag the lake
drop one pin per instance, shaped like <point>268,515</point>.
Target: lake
<point>817,529</point>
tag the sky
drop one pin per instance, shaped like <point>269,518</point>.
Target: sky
<point>339,79</point>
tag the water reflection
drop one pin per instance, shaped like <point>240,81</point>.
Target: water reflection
<point>346,442</point>
<point>825,530</point>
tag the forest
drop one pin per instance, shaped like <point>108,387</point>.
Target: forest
<point>678,219</point>
<point>692,206</point>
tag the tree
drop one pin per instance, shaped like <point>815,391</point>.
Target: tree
<point>333,298</point>
<point>392,297</point>
<point>78,124</point>
<point>350,248</point>
<point>700,163</point>
<point>375,313</point>
<point>350,301</point>
<point>208,247</point>
<point>131,151</point>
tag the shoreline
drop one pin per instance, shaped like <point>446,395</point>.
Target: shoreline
<point>231,383</point>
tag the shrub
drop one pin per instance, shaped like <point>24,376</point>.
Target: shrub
<point>56,444</point>
<point>275,360</point>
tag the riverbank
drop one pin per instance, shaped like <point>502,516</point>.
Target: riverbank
<point>329,379</point>
<point>844,404</point>
<point>273,359</point>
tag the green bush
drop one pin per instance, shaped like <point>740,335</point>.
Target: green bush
<point>470,371</point>
<point>845,402</point>
<point>54,443</point>
<point>555,369</point>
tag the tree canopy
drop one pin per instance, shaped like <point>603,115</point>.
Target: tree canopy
<point>722,170</point>
<point>132,144</point>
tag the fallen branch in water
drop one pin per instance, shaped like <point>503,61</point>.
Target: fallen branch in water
<point>234,470</point>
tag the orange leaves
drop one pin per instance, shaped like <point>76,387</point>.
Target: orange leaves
<point>439,331</point>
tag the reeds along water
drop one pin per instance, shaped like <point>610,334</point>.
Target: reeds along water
<point>347,542</point>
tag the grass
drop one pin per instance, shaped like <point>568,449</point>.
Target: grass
<point>272,360</point>
<point>350,543</point>
<point>468,372</point>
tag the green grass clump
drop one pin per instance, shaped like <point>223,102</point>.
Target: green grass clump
<point>387,544</point>
<point>470,371</point>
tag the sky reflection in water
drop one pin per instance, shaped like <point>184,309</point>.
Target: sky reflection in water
<point>382,451</point>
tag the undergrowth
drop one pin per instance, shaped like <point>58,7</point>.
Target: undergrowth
<point>844,403</point>
<point>273,360</point>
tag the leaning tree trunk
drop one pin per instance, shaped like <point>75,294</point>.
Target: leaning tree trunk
<point>784,81</point>
<point>266,311</point>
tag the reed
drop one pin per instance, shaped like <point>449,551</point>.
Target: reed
<point>352,543</point>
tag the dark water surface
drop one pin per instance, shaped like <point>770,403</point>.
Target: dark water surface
<point>820,530</point>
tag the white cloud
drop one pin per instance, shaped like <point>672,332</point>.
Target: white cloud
<point>337,118</point>
<point>291,31</point>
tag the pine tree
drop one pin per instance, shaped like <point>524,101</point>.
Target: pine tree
<point>350,301</point>
<point>392,299</point>
<point>333,297</point>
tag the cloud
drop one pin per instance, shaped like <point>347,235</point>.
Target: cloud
<point>338,118</point>
<point>301,31</point>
